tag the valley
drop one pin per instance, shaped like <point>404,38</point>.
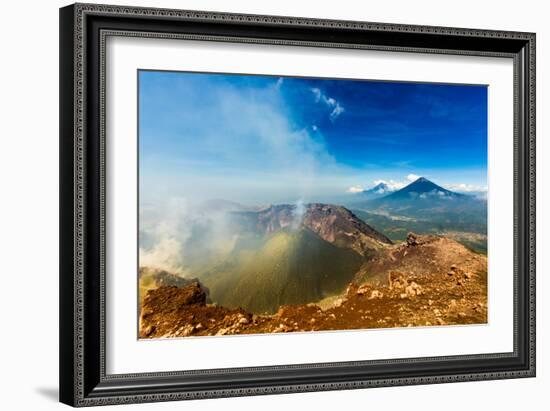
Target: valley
<point>423,207</point>
<point>411,257</point>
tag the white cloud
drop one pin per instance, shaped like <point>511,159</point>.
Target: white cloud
<point>392,184</point>
<point>396,185</point>
<point>332,103</point>
<point>355,189</point>
<point>466,188</point>
<point>317,93</point>
<point>244,136</point>
<point>338,109</point>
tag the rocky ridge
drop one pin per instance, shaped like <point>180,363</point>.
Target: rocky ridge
<point>332,223</point>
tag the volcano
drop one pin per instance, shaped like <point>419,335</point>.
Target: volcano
<point>427,201</point>
<point>422,188</point>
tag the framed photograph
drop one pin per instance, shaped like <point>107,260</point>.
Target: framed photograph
<point>261,204</point>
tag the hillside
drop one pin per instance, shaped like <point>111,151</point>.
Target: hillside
<point>152,278</point>
<point>424,255</point>
<point>472,234</point>
<point>424,281</point>
<point>289,254</point>
<point>291,267</point>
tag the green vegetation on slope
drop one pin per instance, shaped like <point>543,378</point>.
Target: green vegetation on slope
<point>467,230</point>
<point>288,268</point>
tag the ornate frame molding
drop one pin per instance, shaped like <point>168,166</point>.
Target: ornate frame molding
<point>83,42</point>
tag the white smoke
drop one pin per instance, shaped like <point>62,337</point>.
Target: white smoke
<point>164,255</point>
<point>335,107</point>
<point>298,214</point>
<point>392,184</point>
<point>178,234</point>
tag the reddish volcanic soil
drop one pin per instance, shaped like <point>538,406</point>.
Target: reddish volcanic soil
<point>425,281</point>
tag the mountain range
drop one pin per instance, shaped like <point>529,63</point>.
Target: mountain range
<point>422,189</point>
<point>423,199</point>
<point>426,208</point>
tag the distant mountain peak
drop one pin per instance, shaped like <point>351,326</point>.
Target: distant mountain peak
<point>422,189</point>
<point>381,186</point>
<point>423,186</point>
<point>379,189</point>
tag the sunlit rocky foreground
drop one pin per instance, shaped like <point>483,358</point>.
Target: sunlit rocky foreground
<point>425,281</point>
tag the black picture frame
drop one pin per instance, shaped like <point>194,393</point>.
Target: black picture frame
<point>83,29</point>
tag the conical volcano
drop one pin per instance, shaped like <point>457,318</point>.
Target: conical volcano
<point>422,188</point>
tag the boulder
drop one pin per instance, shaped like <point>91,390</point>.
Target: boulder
<point>376,295</point>
<point>411,240</point>
<point>192,294</point>
<point>396,280</point>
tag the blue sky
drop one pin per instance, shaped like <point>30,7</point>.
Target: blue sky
<point>267,139</point>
